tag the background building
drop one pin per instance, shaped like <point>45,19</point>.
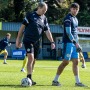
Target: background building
<point>46,52</point>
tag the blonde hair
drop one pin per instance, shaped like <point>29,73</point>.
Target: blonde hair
<point>8,34</point>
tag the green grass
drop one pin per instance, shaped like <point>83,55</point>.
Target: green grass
<point>44,72</point>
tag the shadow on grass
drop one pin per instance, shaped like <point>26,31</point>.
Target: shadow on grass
<point>12,86</point>
<point>43,85</point>
<point>86,87</point>
<point>19,86</point>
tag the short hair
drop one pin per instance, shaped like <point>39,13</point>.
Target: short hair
<point>75,5</point>
<point>41,4</point>
<point>8,34</point>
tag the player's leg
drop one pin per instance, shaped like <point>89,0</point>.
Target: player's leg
<point>30,54</point>
<point>33,65</point>
<point>5,52</point>
<point>75,68</point>
<point>59,72</point>
<point>29,64</point>
<point>36,52</point>
<point>24,64</point>
<point>66,56</point>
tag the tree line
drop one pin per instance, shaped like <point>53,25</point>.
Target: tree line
<point>15,10</point>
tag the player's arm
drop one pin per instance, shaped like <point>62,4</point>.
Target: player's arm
<point>68,30</point>
<point>47,31</point>
<point>48,34</point>
<point>19,36</point>
<point>67,24</point>
<point>20,33</point>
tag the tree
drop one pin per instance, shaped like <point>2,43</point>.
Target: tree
<point>84,14</point>
<point>57,9</point>
<point>14,10</point>
<point>6,10</point>
<point>3,4</point>
<point>18,7</point>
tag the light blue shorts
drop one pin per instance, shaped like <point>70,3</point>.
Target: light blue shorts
<point>69,51</point>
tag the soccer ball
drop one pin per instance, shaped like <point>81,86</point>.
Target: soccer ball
<point>25,82</point>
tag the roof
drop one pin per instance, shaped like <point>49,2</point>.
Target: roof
<point>14,26</point>
<point>56,28</point>
<point>10,26</point>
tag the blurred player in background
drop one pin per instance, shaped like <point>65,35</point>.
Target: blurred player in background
<point>71,47</point>
<point>24,64</point>
<point>35,24</point>
<point>3,44</point>
<point>24,61</point>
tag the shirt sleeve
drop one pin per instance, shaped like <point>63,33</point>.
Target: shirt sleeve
<point>26,19</point>
<point>6,42</point>
<point>67,24</point>
<point>46,25</point>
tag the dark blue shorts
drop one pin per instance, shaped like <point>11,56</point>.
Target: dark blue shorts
<point>32,48</point>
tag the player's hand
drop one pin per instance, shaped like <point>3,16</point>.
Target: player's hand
<point>9,44</point>
<point>78,47</point>
<point>53,45</point>
<point>18,44</point>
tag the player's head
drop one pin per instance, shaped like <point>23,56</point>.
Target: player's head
<point>74,9</point>
<point>42,8</point>
<point>8,35</point>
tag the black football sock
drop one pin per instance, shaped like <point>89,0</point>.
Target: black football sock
<point>29,76</point>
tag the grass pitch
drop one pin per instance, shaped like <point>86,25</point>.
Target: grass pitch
<point>44,72</point>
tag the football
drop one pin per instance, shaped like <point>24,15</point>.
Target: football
<point>26,82</point>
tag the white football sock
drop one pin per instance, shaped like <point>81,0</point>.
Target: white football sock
<point>77,79</point>
<point>56,78</point>
<point>4,60</point>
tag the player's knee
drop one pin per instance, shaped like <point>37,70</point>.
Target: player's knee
<point>75,63</point>
<point>30,61</point>
<point>65,63</point>
<point>6,53</point>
